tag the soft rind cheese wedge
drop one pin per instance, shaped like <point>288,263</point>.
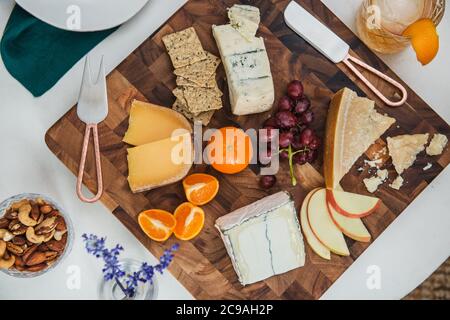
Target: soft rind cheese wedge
<point>263,239</point>
<point>160,163</point>
<point>404,150</point>
<point>248,72</point>
<point>353,125</point>
<point>149,123</point>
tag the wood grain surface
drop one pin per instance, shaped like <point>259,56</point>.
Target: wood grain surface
<point>202,265</point>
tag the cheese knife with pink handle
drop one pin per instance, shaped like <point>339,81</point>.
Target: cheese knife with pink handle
<point>92,109</point>
<point>335,49</point>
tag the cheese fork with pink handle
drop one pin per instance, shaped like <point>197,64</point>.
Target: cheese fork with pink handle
<point>92,109</point>
<point>335,49</point>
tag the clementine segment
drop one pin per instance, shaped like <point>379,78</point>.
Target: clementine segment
<point>200,188</point>
<point>157,224</point>
<point>424,39</point>
<point>190,221</point>
<point>230,150</point>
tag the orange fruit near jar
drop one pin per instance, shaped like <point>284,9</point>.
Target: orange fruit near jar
<point>230,150</point>
<point>189,221</point>
<point>157,224</point>
<point>200,188</point>
<point>424,39</point>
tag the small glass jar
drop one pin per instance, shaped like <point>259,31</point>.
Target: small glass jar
<point>111,290</point>
<point>377,35</point>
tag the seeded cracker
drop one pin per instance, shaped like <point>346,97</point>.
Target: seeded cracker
<point>202,99</point>
<point>184,48</point>
<point>204,68</point>
<point>210,83</point>
<point>203,117</point>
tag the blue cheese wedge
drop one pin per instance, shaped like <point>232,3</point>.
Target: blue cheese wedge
<point>245,19</point>
<point>248,72</point>
<point>263,239</point>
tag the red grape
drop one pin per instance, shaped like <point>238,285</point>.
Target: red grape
<point>285,104</point>
<point>284,155</point>
<point>311,156</point>
<point>296,143</point>
<point>267,182</point>
<point>300,158</point>
<point>295,90</point>
<point>306,136</point>
<point>286,139</point>
<point>315,143</point>
<point>307,117</point>
<point>271,122</point>
<point>302,105</point>
<point>286,119</point>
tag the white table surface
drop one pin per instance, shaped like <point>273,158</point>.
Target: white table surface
<point>405,255</point>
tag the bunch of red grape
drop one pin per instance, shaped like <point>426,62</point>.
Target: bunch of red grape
<point>298,142</point>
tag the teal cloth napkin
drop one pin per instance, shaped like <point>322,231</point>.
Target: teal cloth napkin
<point>38,54</point>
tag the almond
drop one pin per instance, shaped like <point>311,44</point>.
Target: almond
<point>4,223</point>
<point>57,246</point>
<point>46,209</point>
<point>36,258</point>
<point>37,267</point>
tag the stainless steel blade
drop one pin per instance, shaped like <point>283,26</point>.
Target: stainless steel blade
<point>315,33</point>
<point>93,102</point>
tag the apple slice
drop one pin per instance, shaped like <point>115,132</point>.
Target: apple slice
<point>352,205</point>
<point>323,227</point>
<point>352,227</point>
<point>313,242</point>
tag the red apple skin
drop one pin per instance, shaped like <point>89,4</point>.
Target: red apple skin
<point>352,236</point>
<point>332,201</point>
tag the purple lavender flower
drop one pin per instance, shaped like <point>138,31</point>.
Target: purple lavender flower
<point>113,270</point>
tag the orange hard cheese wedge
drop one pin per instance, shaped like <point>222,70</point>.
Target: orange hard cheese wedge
<point>424,39</point>
<point>200,188</point>
<point>157,224</point>
<point>190,220</point>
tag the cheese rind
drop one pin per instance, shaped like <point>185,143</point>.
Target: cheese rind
<point>159,163</point>
<point>149,123</point>
<point>263,239</point>
<point>248,71</point>
<point>245,19</point>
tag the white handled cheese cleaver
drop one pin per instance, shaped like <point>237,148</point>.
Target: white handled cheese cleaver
<point>334,48</point>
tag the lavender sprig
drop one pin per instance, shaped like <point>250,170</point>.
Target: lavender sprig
<point>113,270</point>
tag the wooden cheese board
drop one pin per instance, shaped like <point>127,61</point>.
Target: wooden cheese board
<point>202,264</point>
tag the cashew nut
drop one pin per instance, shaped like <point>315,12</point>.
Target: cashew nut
<point>59,234</point>
<point>8,263</point>
<point>6,235</point>
<point>2,248</point>
<point>24,216</point>
<point>49,236</point>
<point>33,238</point>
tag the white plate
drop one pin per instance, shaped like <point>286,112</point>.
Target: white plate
<point>83,15</point>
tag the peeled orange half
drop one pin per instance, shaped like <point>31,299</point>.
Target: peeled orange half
<point>189,221</point>
<point>157,224</point>
<point>230,150</point>
<point>200,188</point>
<point>424,39</point>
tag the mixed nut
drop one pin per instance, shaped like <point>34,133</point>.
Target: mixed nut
<point>33,235</point>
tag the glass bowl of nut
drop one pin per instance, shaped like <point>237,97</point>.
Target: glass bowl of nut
<point>35,235</point>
